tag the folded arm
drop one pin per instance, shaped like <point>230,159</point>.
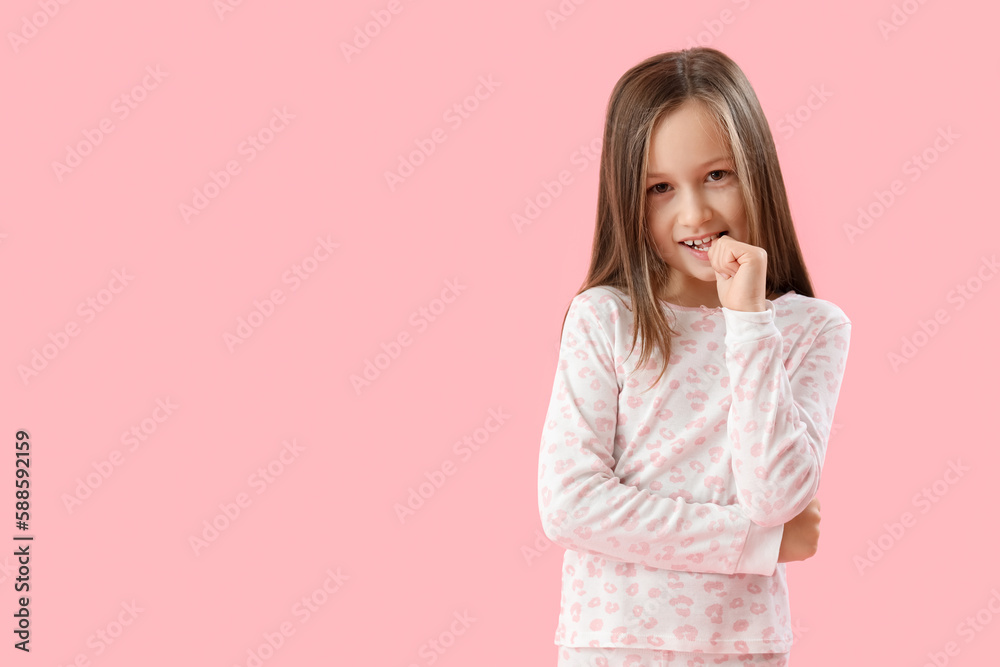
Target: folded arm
<point>584,506</point>
<point>779,421</point>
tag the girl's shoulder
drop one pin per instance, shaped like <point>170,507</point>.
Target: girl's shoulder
<point>604,293</point>
<point>605,301</point>
<point>601,306</point>
<point>801,307</point>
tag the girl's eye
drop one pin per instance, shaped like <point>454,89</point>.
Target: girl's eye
<point>723,173</point>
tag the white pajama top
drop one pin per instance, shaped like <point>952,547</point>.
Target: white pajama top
<point>671,502</point>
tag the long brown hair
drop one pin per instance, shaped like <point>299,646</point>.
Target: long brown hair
<point>624,255</point>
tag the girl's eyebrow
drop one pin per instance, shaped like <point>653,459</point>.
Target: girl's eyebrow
<point>656,174</point>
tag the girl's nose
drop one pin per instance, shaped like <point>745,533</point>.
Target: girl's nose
<point>694,209</point>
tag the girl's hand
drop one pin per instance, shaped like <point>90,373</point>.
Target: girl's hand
<point>740,274</point>
<point>800,539</point>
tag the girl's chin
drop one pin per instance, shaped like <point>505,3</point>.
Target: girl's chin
<point>706,272</point>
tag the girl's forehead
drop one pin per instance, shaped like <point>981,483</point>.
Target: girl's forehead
<point>686,141</point>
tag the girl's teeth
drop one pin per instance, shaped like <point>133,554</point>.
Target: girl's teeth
<point>704,244</point>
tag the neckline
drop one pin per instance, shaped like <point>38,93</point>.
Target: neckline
<point>674,306</point>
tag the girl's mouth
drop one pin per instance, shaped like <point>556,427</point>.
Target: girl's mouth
<point>700,250</point>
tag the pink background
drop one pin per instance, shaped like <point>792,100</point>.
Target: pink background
<point>492,347</point>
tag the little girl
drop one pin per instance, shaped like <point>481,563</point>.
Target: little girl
<point>681,481</point>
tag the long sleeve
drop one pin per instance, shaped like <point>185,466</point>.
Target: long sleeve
<point>779,420</point>
<point>584,506</point>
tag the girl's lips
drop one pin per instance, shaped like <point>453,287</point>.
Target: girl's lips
<point>703,254</point>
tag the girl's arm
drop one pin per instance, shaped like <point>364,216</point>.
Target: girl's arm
<point>584,506</point>
<point>779,421</point>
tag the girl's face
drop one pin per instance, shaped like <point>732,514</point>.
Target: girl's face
<point>692,193</point>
